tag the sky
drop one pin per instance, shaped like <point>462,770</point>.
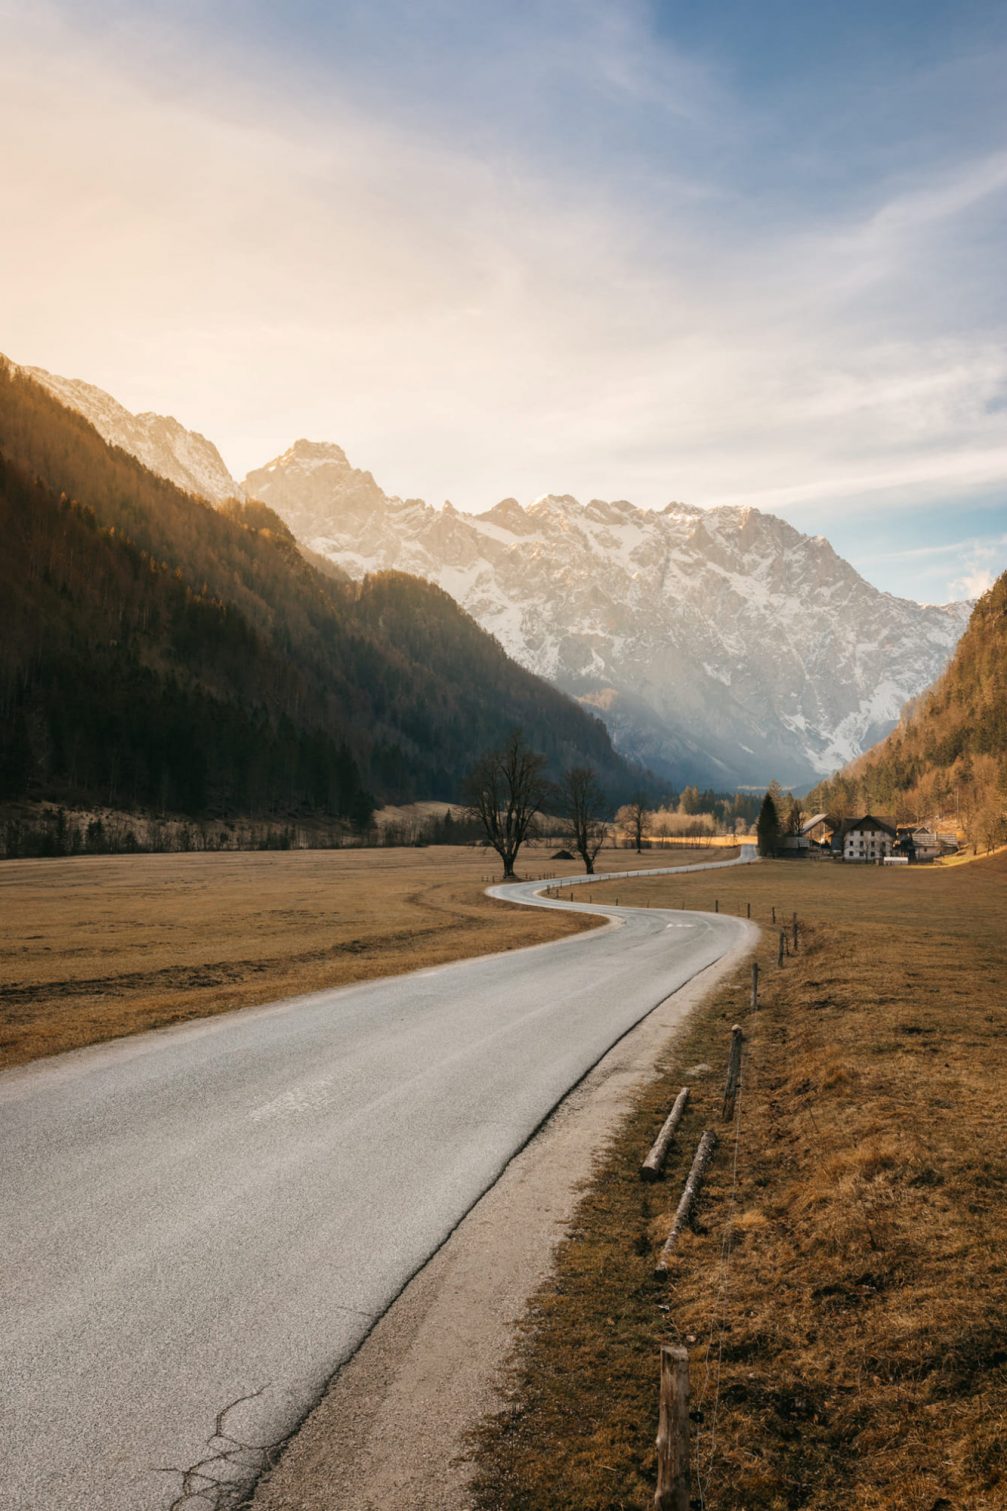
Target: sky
<point>711,251</point>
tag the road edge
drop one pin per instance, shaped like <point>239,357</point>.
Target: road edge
<point>392,1424</point>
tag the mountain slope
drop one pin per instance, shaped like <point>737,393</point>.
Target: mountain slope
<point>164,446</point>
<point>719,645</point>
<point>156,651</point>
<point>949,753</point>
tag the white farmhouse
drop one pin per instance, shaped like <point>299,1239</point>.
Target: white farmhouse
<point>867,838</point>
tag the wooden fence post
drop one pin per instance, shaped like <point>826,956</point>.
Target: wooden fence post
<point>733,1073</point>
<point>774,914</point>
<point>748,910</point>
<point>672,1492</point>
<point>795,931</point>
<point>783,948</point>
<point>755,984</point>
<point>716,904</point>
<point>653,1164</point>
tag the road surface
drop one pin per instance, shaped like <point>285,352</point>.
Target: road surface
<point>224,1207</point>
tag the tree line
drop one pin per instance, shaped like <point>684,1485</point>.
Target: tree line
<point>511,798</point>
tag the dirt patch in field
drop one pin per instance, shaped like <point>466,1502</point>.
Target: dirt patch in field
<point>93,947</point>
<point>843,1296</point>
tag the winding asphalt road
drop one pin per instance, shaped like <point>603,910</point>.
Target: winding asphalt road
<point>193,1215</point>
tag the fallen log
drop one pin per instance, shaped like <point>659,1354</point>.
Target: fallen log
<point>704,1154</point>
<point>654,1163</point>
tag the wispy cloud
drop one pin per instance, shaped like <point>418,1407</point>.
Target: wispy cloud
<point>944,196</point>
<point>980,563</point>
<point>507,250</point>
<point>945,570</point>
<point>958,549</point>
<point>973,584</point>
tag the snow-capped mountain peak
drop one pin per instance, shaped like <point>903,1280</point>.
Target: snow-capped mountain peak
<point>160,442</point>
<point>307,456</point>
<point>719,644</point>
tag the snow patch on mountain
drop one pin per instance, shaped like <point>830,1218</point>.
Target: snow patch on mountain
<point>717,644</point>
<point>160,442</point>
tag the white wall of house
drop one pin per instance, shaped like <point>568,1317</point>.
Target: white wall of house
<point>867,844</point>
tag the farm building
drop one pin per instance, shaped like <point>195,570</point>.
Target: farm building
<point>926,844</point>
<point>865,839</point>
<point>792,846</point>
<point>817,827</point>
<point>917,843</point>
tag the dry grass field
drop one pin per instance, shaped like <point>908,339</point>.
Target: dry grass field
<point>95,947</point>
<point>844,1293</point>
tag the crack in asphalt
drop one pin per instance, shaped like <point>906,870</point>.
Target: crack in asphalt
<point>228,1454</point>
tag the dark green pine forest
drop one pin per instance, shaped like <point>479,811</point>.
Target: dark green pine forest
<point>157,654</point>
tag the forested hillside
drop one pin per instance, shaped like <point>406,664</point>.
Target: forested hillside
<point>949,752</point>
<point>157,652</point>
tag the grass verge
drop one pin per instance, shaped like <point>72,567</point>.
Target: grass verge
<point>844,1293</point>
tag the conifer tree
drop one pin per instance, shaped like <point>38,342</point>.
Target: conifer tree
<point>768,827</point>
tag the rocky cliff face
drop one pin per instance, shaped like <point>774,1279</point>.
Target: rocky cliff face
<point>720,645</point>
<point>183,456</point>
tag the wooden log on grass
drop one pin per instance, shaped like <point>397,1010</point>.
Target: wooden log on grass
<point>733,1073</point>
<point>672,1492</point>
<point>654,1163</point>
<point>683,1212</point>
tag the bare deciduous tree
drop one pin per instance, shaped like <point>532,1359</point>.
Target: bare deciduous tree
<point>986,826</point>
<point>582,804</point>
<point>634,819</point>
<point>505,791</point>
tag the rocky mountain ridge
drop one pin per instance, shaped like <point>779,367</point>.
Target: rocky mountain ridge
<point>721,646</point>
<point>160,442</point>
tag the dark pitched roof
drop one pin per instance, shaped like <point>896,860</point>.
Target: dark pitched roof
<point>869,821</point>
